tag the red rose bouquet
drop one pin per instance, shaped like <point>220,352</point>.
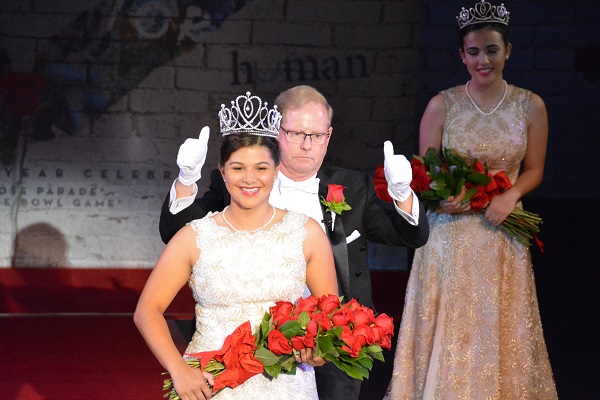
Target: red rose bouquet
<point>335,200</point>
<point>439,176</point>
<point>350,335</point>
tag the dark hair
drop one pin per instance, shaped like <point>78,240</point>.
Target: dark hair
<point>495,26</point>
<point>234,142</point>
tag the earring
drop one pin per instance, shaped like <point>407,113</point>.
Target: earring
<point>506,58</point>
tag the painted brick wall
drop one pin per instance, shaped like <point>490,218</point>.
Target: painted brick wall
<point>88,159</point>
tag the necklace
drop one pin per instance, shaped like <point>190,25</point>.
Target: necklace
<point>255,230</point>
<point>497,105</point>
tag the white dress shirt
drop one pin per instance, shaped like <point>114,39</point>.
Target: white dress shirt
<point>301,197</point>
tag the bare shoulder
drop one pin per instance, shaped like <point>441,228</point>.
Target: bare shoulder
<point>537,109</point>
<point>312,224</point>
<point>436,109</point>
<point>536,103</point>
<point>315,233</point>
<point>183,239</point>
<point>437,101</point>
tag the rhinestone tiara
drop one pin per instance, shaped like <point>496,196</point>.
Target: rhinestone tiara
<point>483,12</point>
<point>248,114</point>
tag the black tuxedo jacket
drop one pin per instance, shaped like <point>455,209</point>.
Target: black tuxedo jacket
<point>374,219</point>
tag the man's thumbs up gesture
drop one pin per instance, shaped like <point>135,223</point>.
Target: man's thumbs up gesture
<point>398,173</point>
<point>191,157</point>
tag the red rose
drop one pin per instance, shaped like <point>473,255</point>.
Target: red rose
<point>381,338</point>
<point>335,193</point>
<point>335,200</point>
<point>282,307</point>
<point>322,320</point>
<point>278,343</point>
<point>329,303</point>
<point>478,167</point>
<point>502,180</point>
<point>381,186</point>
<point>282,312</point>
<point>479,199</point>
<point>342,317</point>
<point>491,188</point>
<point>352,345</point>
<point>312,328</point>
<point>347,336</point>
<point>363,334</point>
<point>420,180</point>
<point>308,304</point>
<point>386,323</point>
<point>364,315</point>
<point>353,305</point>
<point>303,342</point>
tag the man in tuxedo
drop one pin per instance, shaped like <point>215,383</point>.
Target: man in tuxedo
<point>304,135</point>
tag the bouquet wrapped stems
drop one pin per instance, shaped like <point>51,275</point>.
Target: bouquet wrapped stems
<point>214,367</point>
<point>522,225</point>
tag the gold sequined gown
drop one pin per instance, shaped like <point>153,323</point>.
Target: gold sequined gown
<point>237,278</point>
<point>471,326</point>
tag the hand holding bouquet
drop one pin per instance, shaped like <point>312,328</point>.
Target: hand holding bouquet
<point>350,335</point>
<point>439,176</point>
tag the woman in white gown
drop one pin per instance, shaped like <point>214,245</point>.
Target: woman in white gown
<point>471,325</point>
<point>238,263</point>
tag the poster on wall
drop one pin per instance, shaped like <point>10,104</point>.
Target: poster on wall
<point>97,97</point>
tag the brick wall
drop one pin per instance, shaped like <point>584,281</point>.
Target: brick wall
<point>88,159</point>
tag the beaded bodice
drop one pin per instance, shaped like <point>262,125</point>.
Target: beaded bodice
<point>499,140</point>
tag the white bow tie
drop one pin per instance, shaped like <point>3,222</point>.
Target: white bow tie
<point>308,186</point>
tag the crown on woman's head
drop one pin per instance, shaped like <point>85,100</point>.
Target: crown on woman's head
<point>482,12</point>
<point>248,114</point>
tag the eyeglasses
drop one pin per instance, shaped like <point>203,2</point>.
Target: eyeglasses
<point>300,137</point>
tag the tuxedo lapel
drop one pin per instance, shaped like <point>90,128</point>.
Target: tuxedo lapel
<point>337,238</point>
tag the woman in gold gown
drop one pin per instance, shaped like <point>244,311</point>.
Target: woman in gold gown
<point>471,325</point>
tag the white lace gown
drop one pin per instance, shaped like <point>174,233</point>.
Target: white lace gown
<point>238,277</point>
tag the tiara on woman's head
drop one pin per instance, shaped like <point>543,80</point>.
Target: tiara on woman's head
<point>482,12</point>
<point>248,114</point>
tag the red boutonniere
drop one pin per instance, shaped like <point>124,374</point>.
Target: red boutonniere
<point>335,200</point>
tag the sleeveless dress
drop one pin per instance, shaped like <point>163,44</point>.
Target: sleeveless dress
<point>471,326</point>
<point>238,276</point>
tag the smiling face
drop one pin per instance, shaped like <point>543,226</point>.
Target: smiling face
<point>249,174</point>
<point>484,53</point>
<point>300,161</point>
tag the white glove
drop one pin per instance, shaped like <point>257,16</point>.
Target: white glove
<point>191,157</point>
<point>398,173</point>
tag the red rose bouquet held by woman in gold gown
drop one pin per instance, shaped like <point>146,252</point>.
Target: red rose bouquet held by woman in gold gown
<point>438,176</point>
